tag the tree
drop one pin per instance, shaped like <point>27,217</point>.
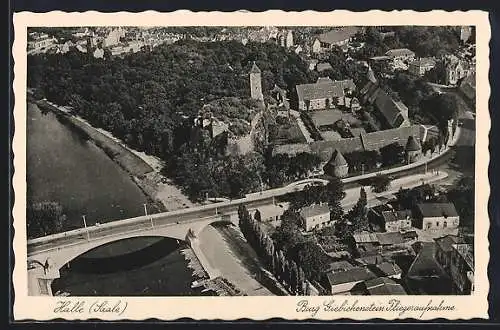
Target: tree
<point>380,183</point>
<point>392,154</point>
<point>44,218</point>
<point>257,216</point>
<point>358,215</point>
<point>309,255</point>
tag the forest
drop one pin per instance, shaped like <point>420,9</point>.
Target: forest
<point>145,98</point>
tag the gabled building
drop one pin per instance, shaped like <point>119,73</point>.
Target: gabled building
<point>421,66</point>
<point>315,217</point>
<point>402,54</point>
<point>343,282</point>
<point>396,221</point>
<point>462,268</point>
<point>455,70</point>
<point>338,37</point>
<point>444,248</point>
<point>429,216</point>
<point>324,94</point>
<point>383,286</point>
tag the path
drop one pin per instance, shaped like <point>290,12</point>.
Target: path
<point>231,256</point>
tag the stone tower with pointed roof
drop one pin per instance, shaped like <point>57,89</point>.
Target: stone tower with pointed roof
<point>413,150</point>
<point>256,83</point>
<point>337,165</point>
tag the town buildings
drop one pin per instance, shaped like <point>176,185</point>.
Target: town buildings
<point>315,217</point>
<point>401,54</point>
<point>338,37</point>
<point>421,66</point>
<point>456,69</point>
<point>462,268</point>
<point>324,94</point>
<point>429,216</point>
<point>396,221</point>
<point>40,42</point>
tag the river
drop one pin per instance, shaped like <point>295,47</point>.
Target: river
<point>63,166</point>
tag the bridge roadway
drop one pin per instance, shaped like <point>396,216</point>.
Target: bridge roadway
<point>200,213</point>
<point>180,217</point>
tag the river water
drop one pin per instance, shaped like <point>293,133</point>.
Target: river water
<point>65,167</point>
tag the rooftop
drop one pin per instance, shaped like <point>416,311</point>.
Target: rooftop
<point>425,61</point>
<point>314,210</point>
<point>446,242</point>
<point>391,216</point>
<point>356,274</point>
<point>384,286</point>
<point>338,35</point>
<point>255,68</point>
<point>467,253</point>
<point>399,52</point>
<point>433,210</point>
<point>387,269</point>
<point>390,238</point>
<point>323,88</point>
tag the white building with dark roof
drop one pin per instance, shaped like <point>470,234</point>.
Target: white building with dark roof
<point>324,94</point>
<point>315,217</point>
<point>429,216</point>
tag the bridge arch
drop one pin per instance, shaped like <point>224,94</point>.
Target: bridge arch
<point>57,257</point>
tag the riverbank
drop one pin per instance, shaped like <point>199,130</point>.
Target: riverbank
<point>143,169</point>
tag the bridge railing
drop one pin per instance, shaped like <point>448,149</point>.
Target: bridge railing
<point>248,198</point>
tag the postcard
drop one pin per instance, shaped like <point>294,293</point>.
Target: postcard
<point>209,165</point>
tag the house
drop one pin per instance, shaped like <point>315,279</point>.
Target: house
<point>338,37</point>
<point>389,239</point>
<point>337,165</point>
<point>320,67</point>
<point>444,248</point>
<point>395,221</point>
<point>339,266</point>
<point>387,269</point>
<point>421,66</point>
<point>315,217</point>
<point>425,275</point>
<point>343,282</point>
<point>455,70</point>
<point>370,260</point>
<point>429,216</point>
<point>324,94</point>
<point>113,37</point>
<point>272,212</point>
<point>384,287</point>
<point>401,54</point>
<point>462,268</point>
<point>40,42</point>
<point>391,113</point>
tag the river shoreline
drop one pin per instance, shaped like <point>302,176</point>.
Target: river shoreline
<point>138,170</point>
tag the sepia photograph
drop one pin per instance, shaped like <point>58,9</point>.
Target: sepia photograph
<point>271,160</point>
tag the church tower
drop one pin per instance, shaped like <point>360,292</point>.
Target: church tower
<point>255,83</point>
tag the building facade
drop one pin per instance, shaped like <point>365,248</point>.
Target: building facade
<point>431,216</point>
<point>395,221</point>
<point>315,217</point>
<point>462,269</point>
<point>421,66</point>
